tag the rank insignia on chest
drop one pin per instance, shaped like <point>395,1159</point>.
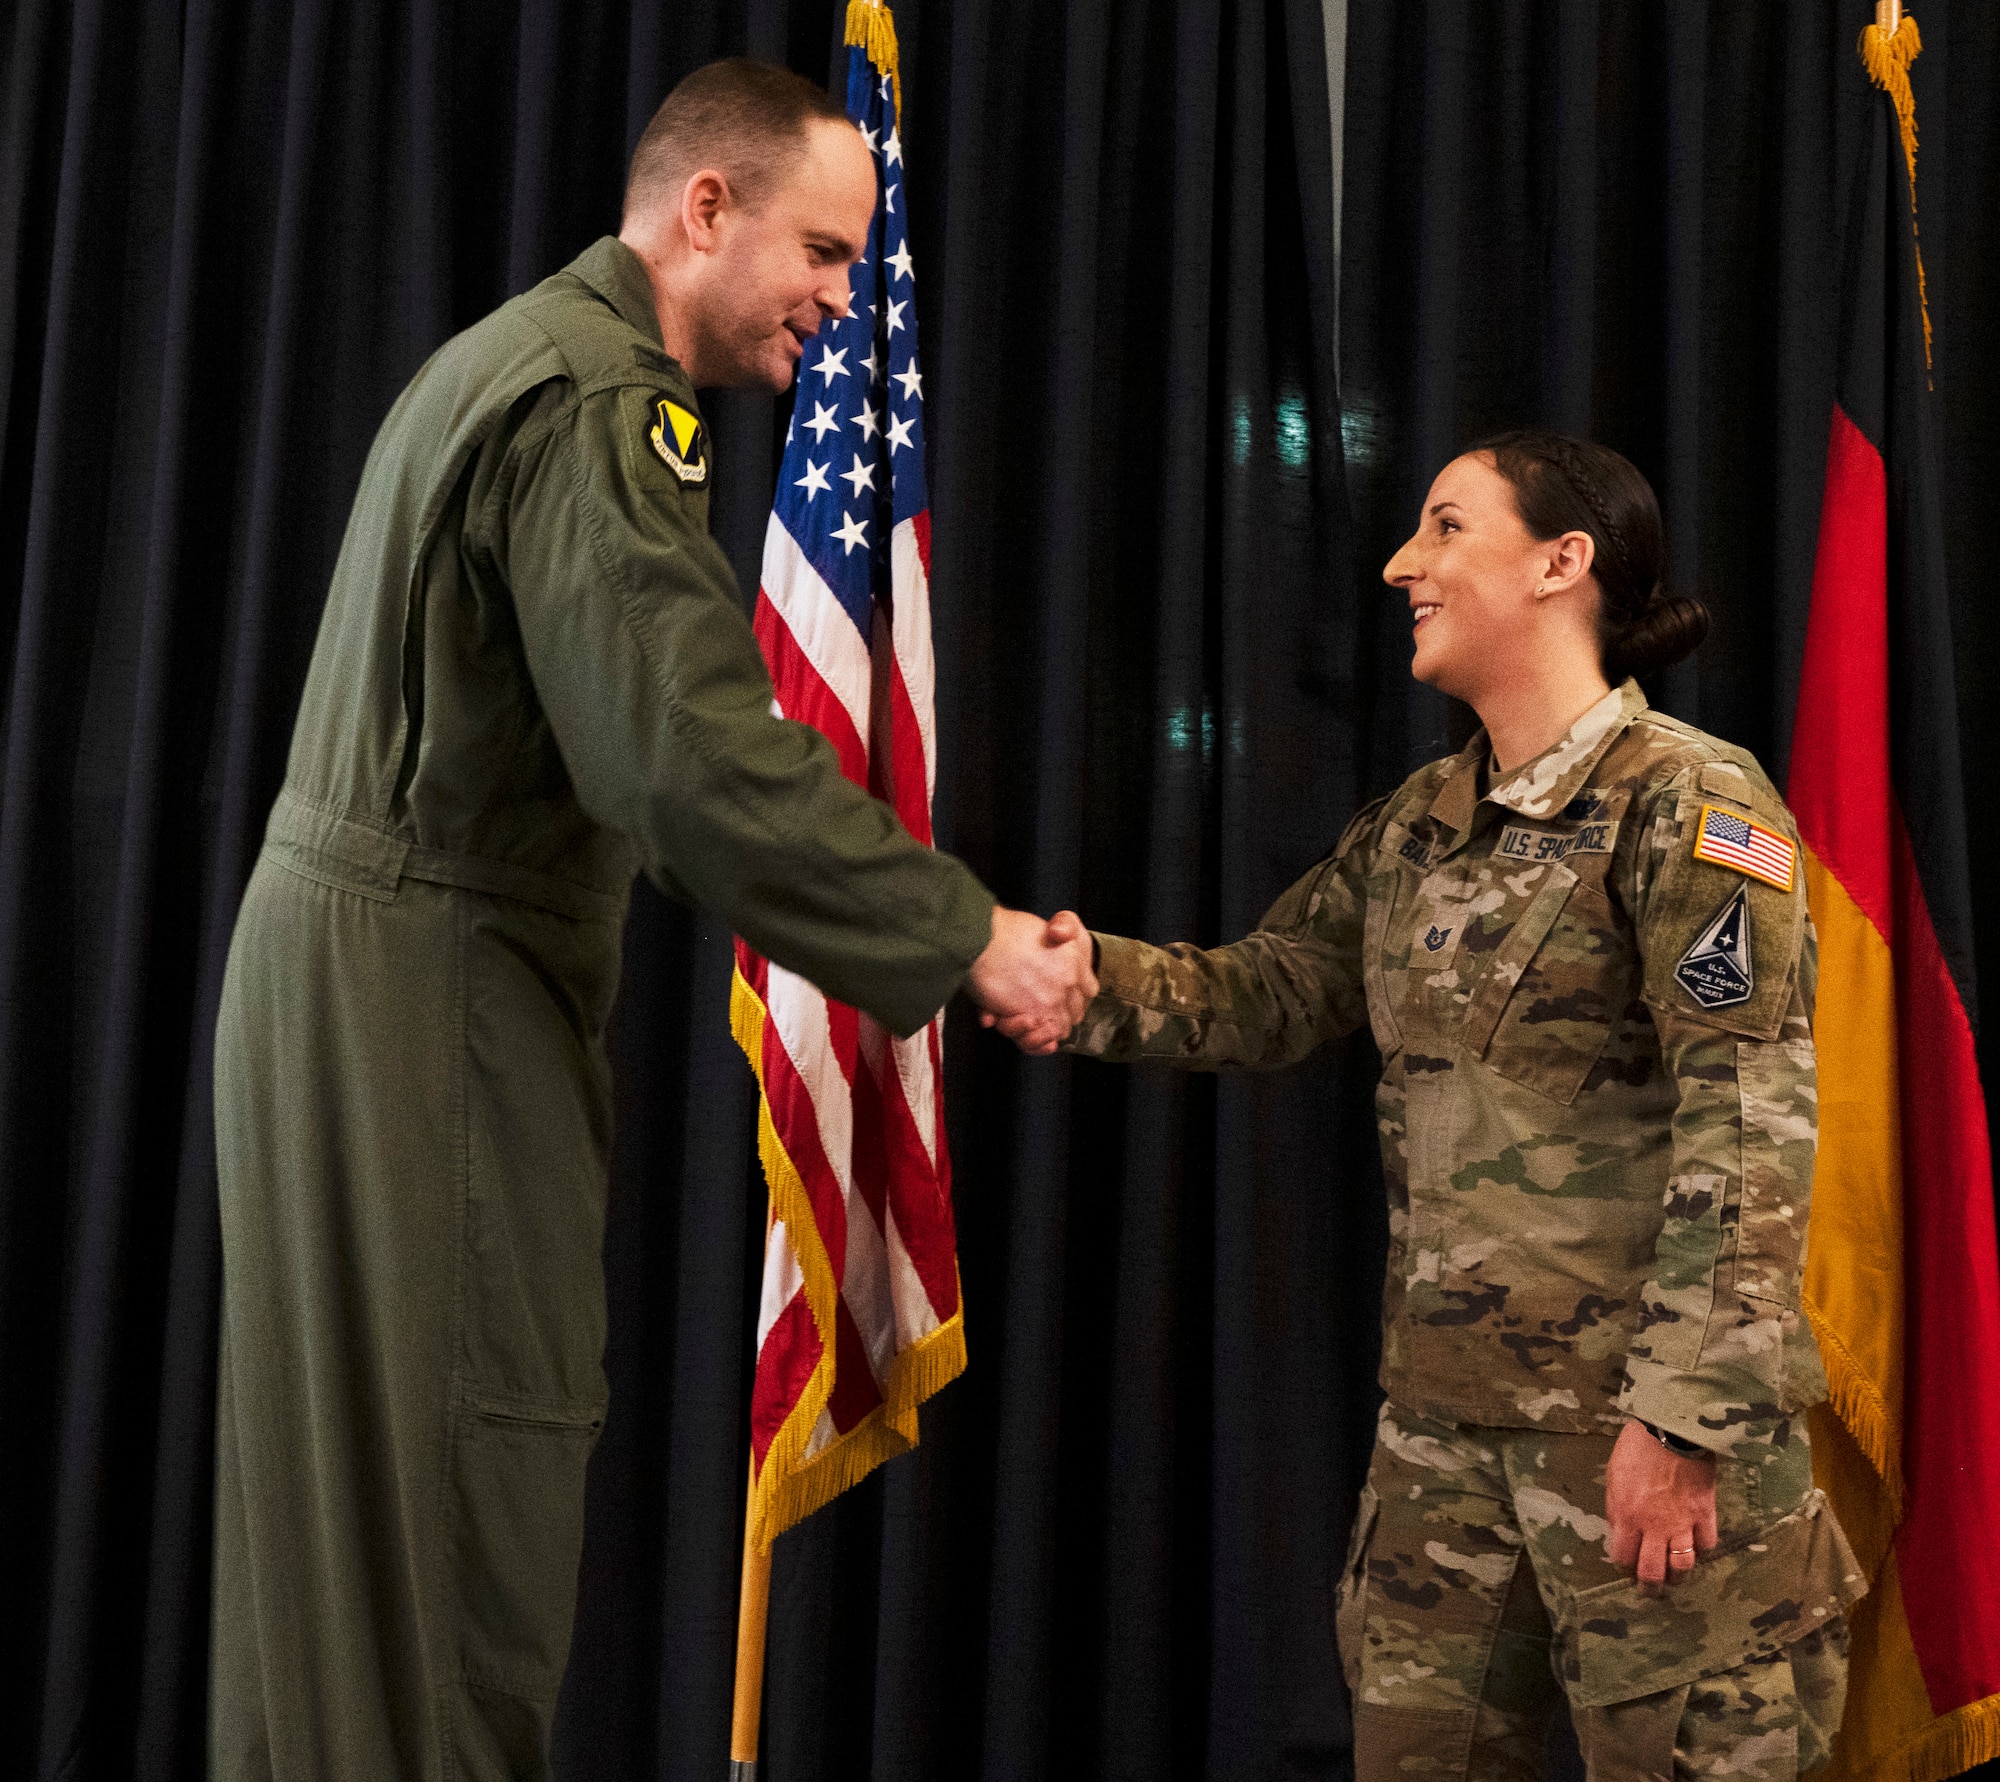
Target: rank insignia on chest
<point>1744,845</point>
<point>1715,971</point>
<point>1437,938</point>
<point>678,438</point>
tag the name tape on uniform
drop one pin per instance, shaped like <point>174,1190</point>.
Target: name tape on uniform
<point>1520,843</point>
<point>1728,838</point>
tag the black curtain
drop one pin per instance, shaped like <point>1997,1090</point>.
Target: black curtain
<point>230,231</point>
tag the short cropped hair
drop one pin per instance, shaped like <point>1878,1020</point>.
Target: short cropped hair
<point>747,120</point>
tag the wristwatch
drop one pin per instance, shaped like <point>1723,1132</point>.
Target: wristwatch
<point>1673,1444</point>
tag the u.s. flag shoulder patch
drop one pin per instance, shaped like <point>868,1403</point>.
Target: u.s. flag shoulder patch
<point>680,440</point>
<point>1728,838</point>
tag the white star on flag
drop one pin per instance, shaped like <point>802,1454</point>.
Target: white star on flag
<point>851,533</point>
<point>846,635</point>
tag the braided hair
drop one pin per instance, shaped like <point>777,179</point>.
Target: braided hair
<point>1572,485</point>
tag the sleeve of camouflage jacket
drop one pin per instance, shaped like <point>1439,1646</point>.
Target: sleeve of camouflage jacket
<point>1266,1000</point>
<point>1720,1355</point>
<point>657,693</point>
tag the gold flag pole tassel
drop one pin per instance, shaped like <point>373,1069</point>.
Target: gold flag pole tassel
<point>1887,49</point>
<point>871,27</point>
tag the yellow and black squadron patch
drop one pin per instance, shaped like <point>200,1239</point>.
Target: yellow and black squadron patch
<point>681,440</point>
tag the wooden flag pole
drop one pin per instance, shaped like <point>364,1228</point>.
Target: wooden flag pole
<point>753,1608</point>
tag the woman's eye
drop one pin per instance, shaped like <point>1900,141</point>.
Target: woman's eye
<point>1447,525</point>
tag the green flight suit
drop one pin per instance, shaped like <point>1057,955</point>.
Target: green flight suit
<point>533,676</point>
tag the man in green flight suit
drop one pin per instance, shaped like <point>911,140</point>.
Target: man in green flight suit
<point>533,676</point>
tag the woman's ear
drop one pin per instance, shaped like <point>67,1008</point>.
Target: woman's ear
<point>1568,562</point>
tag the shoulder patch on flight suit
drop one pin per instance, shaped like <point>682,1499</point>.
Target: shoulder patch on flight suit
<point>1717,970</point>
<point>680,439</point>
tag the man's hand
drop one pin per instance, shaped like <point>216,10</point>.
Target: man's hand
<point>1034,980</point>
<point>1661,1507</point>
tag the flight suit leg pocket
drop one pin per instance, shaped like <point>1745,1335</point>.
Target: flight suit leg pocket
<point>517,1479</point>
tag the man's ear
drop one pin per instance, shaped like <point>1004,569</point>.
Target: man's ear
<point>703,200</point>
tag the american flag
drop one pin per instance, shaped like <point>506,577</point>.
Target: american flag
<point>860,1318</point>
<point>1730,840</point>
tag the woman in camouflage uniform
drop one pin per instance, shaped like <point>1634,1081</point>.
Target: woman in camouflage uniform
<point>1582,946</point>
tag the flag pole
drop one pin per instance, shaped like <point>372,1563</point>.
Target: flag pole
<point>752,1611</point>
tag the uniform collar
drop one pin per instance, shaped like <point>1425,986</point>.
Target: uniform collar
<point>616,274</point>
<point>1541,787</point>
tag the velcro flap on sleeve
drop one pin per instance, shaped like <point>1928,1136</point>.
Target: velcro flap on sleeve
<point>1720,946</point>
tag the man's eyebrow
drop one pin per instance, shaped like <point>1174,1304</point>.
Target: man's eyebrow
<point>838,243</point>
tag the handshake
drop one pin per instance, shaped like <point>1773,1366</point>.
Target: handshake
<point>1034,980</point>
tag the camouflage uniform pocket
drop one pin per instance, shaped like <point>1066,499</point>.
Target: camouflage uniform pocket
<point>1746,1602</point>
<point>1544,1013</point>
<point>1349,1613</point>
<point>1780,1128</point>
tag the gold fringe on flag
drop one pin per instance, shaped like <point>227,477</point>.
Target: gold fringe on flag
<point>791,1484</point>
<point>1858,1405</point>
<point>1887,56</point>
<point>872,27</point>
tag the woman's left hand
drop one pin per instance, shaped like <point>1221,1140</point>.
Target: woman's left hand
<point>1661,1507</point>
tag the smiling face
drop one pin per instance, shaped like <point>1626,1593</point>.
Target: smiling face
<point>766,275</point>
<point>1471,573</point>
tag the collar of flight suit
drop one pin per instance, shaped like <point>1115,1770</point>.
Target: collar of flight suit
<point>616,274</point>
<point>1541,787</point>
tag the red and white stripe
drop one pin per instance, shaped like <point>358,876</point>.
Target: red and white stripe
<point>857,1111</point>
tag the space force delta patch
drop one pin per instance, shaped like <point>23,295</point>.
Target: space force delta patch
<point>1715,971</point>
<point>1726,838</point>
<point>678,438</point>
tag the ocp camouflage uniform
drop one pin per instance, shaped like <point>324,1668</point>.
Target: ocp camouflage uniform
<point>1598,1119</point>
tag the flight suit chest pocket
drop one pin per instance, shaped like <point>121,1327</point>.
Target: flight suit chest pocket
<point>1543,1011</point>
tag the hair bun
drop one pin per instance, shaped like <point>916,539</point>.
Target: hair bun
<point>1667,628</point>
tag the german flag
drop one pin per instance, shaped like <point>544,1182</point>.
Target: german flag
<point>1902,1277</point>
